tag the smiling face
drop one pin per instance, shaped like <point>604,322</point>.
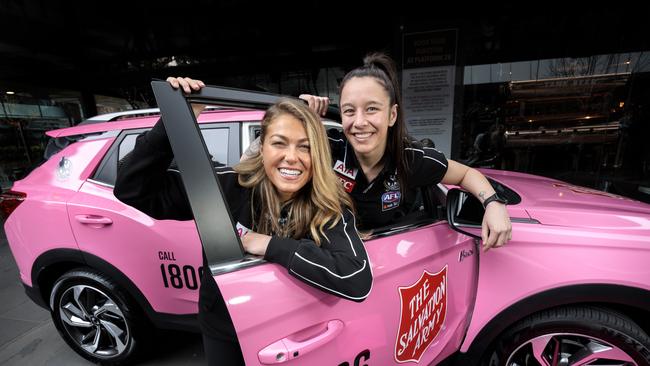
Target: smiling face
<point>286,155</point>
<point>366,114</point>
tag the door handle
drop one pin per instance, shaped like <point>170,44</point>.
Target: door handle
<point>289,348</point>
<point>94,220</point>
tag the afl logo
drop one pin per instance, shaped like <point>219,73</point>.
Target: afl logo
<point>390,197</point>
<point>390,200</point>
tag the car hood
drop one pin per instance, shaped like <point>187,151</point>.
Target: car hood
<point>553,202</point>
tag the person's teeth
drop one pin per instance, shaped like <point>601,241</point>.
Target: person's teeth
<point>362,135</point>
<point>289,171</point>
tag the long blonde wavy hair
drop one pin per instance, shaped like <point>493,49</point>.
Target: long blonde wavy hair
<point>318,203</point>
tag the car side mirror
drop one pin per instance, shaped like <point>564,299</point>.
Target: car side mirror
<point>464,212</point>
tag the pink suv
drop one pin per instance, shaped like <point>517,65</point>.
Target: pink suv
<point>571,288</point>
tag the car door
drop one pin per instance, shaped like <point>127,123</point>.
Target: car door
<point>417,311</point>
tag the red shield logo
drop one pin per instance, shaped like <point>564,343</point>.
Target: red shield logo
<point>424,308</point>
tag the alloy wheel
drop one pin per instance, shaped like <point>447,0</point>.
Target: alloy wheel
<point>568,349</point>
<point>94,321</point>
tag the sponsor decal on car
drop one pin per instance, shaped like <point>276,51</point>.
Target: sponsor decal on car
<point>177,275</point>
<point>423,312</point>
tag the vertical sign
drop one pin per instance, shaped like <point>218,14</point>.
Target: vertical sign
<point>428,73</point>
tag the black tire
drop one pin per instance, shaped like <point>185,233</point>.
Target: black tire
<point>571,331</point>
<point>95,329</point>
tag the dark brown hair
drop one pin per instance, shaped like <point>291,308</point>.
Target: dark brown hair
<point>382,68</point>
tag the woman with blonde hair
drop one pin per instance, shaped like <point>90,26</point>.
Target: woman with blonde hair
<point>286,201</point>
<point>310,209</point>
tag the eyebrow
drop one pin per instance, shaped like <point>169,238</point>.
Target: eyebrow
<point>286,139</point>
<point>369,103</point>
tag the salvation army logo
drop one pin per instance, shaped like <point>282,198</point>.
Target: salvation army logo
<point>423,312</point>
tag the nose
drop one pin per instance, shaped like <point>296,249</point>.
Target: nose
<point>291,155</point>
<point>360,119</point>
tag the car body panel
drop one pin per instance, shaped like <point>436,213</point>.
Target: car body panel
<point>553,202</point>
<point>48,188</point>
<point>551,258</point>
<point>156,252</point>
<point>291,306</point>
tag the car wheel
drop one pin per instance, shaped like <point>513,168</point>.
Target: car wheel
<point>96,318</point>
<point>572,336</point>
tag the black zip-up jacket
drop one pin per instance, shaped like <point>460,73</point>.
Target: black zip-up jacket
<point>339,266</point>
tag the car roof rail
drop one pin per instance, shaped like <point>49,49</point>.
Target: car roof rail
<point>116,116</point>
<point>332,113</point>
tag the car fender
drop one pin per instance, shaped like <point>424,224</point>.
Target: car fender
<point>52,264</point>
<point>545,266</point>
<point>473,348</point>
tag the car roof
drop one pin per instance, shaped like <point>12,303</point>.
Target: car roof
<point>152,116</point>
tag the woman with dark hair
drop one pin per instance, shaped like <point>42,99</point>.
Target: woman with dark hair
<point>285,198</point>
<point>382,168</point>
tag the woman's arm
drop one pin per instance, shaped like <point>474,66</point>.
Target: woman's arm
<point>339,266</point>
<point>496,228</point>
<point>145,181</point>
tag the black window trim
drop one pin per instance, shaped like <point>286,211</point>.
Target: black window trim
<point>110,158</point>
<point>109,161</point>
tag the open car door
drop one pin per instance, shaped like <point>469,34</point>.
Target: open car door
<point>424,275</point>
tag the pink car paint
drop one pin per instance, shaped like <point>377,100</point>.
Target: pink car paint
<point>564,236</point>
<point>585,237</point>
<point>48,189</point>
<point>371,325</point>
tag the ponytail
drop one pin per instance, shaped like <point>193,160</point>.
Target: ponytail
<point>382,68</point>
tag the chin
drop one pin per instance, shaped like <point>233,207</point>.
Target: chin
<point>290,190</point>
<point>363,148</point>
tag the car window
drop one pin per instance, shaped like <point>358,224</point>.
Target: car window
<point>127,144</point>
<point>217,140</point>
